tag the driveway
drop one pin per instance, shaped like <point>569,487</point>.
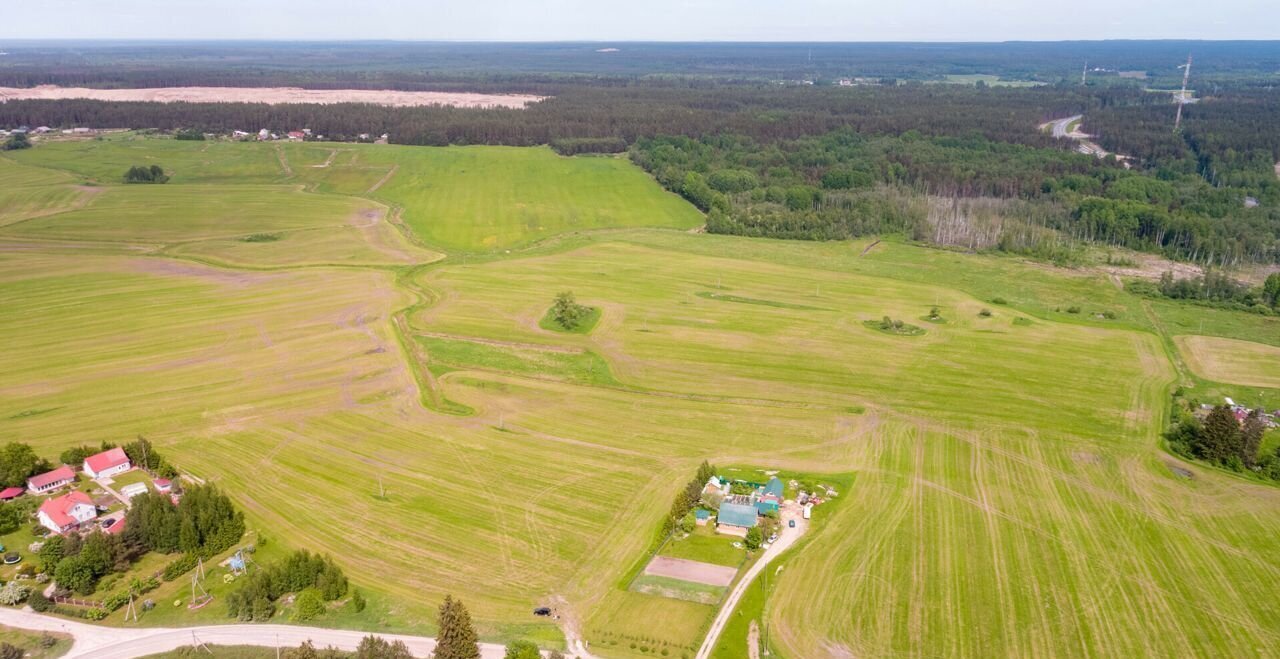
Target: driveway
<point>786,538</point>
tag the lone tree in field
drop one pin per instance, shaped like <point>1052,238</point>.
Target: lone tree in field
<point>152,174</point>
<point>457,638</point>
<point>567,312</point>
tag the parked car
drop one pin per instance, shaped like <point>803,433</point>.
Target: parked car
<point>791,523</point>
<point>542,611</point>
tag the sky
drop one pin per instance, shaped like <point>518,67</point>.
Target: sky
<point>647,20</point>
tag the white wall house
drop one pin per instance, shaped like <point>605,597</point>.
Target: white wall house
<point>51,480</point>
<point>63,513</point>
<point>107,463</point>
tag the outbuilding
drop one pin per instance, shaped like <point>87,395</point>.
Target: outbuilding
<point>51,480</point>
<point>107,463</point>
<point>11,493</point>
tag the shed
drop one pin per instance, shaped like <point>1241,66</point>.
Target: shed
<point>701,516</point>
<point>11,493</point>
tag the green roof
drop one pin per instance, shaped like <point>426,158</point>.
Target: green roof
<point>737,514</point>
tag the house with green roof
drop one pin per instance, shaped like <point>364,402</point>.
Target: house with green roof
<point>735,518</point>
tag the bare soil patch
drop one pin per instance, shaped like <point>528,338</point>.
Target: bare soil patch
<point>695,571</point>
<point>272,95</point>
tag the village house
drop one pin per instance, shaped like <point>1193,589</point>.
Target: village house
<point>736,517</point>
<point>296,135</point>
<point>107,463</point>
<point>716,486</point>
<point>67,512</point>
<point>51,480</point>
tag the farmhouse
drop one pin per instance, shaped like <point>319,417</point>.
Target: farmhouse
<point>106,463</point>
<point>64,513</point>
<point>716,486</point>
<point>734,518</point>
<point>51,480</point>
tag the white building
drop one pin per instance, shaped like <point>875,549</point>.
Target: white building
<point>66,512</point>
<point>107,463</point>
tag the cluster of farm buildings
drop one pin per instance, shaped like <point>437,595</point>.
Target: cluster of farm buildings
<point>738,513</point>
<point>1242,412</point>
<point>75,510</point>
<point>305,134</point>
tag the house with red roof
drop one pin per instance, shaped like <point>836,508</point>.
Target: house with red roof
<point>61,514</point>
<point>51,480</point>
<point>11,493</point>
<point>107,463</point>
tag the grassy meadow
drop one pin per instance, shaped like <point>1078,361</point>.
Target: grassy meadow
<point>1007,495</point>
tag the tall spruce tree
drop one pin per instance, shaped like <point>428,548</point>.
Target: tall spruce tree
<point>457,637</point>
<point>1220,436</point>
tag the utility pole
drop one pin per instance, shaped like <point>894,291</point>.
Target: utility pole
<point>1084,73</point>
<point>1182,96</point>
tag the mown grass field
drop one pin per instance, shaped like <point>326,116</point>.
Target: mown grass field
<point>1008,494</point>
<point>1231,360</point>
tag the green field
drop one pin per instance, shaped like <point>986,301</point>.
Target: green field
<point>1008,497</point>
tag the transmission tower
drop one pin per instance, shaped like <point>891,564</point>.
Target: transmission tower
<point>1182,96</point>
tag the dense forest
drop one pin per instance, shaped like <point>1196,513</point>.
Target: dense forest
<point>441,65</point>
<point>967,191</point>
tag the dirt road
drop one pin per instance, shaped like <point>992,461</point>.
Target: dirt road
<point>786,538</point>
<point>118,643</point>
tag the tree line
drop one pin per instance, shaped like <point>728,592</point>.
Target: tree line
<point>841,184</point>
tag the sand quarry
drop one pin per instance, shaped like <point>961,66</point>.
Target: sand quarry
<point>272,95</point>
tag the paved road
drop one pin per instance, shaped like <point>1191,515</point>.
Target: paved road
<point>119,643</point>
<point>786,538</point>
<point>1059,126</point>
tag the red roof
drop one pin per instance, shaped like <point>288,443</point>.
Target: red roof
<point>105,460</point>
<point>11,493</point>
<point>57,508</point>
<point>63,473</point>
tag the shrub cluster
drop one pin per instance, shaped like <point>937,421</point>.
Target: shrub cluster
<point>301,571</point>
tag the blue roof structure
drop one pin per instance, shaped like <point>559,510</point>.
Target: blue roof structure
<point>774,487</point>
<point>702,513</point>
<point>737,514</point>
<point>766,507</point>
